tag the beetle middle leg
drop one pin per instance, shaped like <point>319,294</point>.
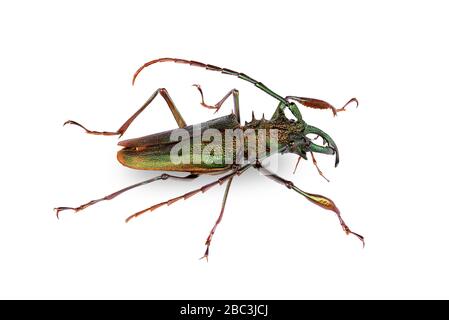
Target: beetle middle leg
<point>217,106</point>
<point>111,196</point>
<point>185,196</point>
<point>317,199</point>
<point>163,92</point>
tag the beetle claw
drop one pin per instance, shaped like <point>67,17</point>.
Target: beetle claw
<point>360,237</point>
<point>101,133</point>
<point>74,123</point>
<point>59,209</point>
<point>206,254</point>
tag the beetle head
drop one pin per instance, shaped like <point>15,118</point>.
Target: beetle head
<point>301,144</point>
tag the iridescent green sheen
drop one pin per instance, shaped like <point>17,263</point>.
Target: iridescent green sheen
<point>152,152</point>
<point>230,148</point>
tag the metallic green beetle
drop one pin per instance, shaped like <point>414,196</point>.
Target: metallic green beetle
<point>153,152</point>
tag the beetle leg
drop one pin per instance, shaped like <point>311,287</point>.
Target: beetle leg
<point>317,199</point>
<point>320,104</point>
<point>297,163</point>
<point>315,163</point>
<point>212,232</point>
<point>187,195</point>
<point>111,196</point>
<point>217,106</point>
<point>163,92</point>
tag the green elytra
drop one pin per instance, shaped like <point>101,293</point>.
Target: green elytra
<point>152,152</point>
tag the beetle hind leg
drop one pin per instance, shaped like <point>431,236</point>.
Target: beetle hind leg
<point>317,199</point>
<point>214,228</point>
<point>111,196</point>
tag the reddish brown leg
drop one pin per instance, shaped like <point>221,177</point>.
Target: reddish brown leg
<point>163,92</point>
<point>320,104</point>
<point>217,106</point>
<point>115,194</point>
<point>297,163</point>
<point>318,168</point>
<point>212,232</point>
<point>187,195</point>
<point>317,199</point>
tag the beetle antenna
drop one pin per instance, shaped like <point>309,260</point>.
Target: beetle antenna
<point>211,67</point>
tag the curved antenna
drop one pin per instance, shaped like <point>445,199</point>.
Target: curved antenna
<point>240,75</point>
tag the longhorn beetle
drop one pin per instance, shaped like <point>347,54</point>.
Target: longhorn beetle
<point>152,152</point>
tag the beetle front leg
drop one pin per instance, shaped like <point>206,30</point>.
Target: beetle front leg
<point>217,106</point>
<point>111,196</point>
<point>317,199</point>
<point>320,104</point>
<point>163,92</point>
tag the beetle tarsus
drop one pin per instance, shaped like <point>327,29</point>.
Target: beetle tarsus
<point>348,231</point>
<point>204,104</point>
<point>84,206</point>
<point>59,209</point>
<point>100,133</point>
<point>315,163</point>
<point>347,103</point>
<point>81,207</point>
<point>218,105</point>
<point>321,104</point>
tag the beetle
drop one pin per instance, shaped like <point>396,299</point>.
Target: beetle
<point>152,152</point>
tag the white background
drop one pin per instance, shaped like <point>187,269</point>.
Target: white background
<point>63,60</point>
